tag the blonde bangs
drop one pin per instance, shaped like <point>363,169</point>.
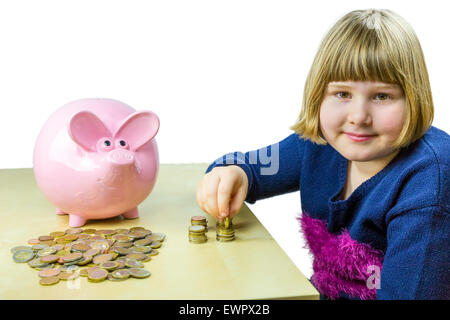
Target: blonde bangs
<point>369,45</point>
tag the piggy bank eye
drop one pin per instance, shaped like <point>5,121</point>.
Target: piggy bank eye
<point>122,144</point>
<point>105,144</point>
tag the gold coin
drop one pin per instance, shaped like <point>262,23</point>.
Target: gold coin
<point>70,237</point>
<point>109,265</point>
<point>132,263</point>
<point>83,236</point>
<point>122,251</point>
<point>46,251</point>
<point>49,273</point>
<point>62,253</point>
<point>45,238</point>
<point>22,256</point>
<point>121,231</point>
<point>155,244</point>
<point>136,256</point>
<point>137,234</point>
<point>50,258</point>
<point>58,247</point>
<point>68,275</point>
<point>102,258</point>
<point>84,261</point>
<point>139,249</point>
<point>122,238</point>
<point>80,247</point>
<point>33,241</point>
<point>89,231</point>
<point>139,273</point>
<point>132,229</point>
<point>123,244</point>
<point>121,274</point>
<point>74,230</point>
<point>196,229</point>
<point>57,234</point>
<point>84,272</point>
<point>91,252</point>
<point>142,242</point>
<point>97,275</point>
<point>49,281</point>
<point>71,257</point>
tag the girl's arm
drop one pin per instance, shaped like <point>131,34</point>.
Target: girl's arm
<point>271,171</point>
<point>417,260</point>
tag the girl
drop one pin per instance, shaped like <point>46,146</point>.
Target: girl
<point>373,173</point>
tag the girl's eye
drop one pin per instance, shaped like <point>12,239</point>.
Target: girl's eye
<point>344,96</point>
<point>107,143</point>
<point>123,143</point>
<point>384,95</point>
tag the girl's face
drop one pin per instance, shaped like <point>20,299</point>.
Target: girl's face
<point>362,119</point>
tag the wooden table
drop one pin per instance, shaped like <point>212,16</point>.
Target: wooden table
<point>251,267</point>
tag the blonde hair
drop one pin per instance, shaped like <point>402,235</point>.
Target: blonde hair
<point>370,45</point>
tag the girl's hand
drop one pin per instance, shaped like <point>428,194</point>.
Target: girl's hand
<point>222,191</point>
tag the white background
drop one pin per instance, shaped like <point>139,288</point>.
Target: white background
<point>221,75</point>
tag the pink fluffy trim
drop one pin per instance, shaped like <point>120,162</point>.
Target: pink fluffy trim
<point>340,263</point>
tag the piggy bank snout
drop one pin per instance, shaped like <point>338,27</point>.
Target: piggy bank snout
<point>121,157</point>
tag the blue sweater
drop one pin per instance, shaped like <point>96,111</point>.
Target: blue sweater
<point>389,240</point>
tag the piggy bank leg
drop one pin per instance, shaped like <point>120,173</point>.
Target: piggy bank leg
<point>132,214</point>
<point>76,221</point>
<point>59,211</point>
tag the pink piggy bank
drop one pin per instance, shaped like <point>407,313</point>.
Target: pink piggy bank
<point>97,159</point>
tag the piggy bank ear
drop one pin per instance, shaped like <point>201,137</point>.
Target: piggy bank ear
<point>85,128</point>
<point>138,128</point>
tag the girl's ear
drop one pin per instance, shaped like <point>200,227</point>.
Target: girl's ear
<point>138,129</point>
<point>85,129</point>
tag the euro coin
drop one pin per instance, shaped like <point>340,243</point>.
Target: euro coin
<point>80,247</point>
<point>69,268</point>
<point>47,273</point>
<point>97,275</point>
<point>142,242</point>
<point>139,273</point>
<point>196,229</point>
<point>89,231</point>
<point>20,248</point>
<point>38,247</point>
<point>45,238</point>
<point>109,265</point>
<point>84,261</point>
<point>84,272</point>
<point>49,281</point>
<point>122,231</point>
<point>72,257</point>
<point>122,251</point>
<point>120,274</point>
<point>156,236</point>
<point>132,263</point>
<point>91,252</point>
<point>137,234</point>
<point>155,244</point>
<point>46,252</point>
<point>33,241</point>
<point>74,230</point>
<point>68,275</point>
<point>102,258</point>
<point>136,256</point>
<point>50,258</point>
<point>37,263</point>
<point>140,249</point>
<point>154,252</point>
<point>22,256</point>
<point>57,234</point>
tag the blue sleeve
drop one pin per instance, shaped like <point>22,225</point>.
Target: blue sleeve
<point>417,260</point>
<point>271,171</point>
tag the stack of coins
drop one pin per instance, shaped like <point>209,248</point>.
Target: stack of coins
<point>225,230</point>
<point>199,221</point>
<point>197,234</point>
<point>96,254</point>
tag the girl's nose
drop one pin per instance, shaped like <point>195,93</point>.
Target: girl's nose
<point>359,113</point>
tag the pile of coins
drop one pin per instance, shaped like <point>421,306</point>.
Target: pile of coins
<point>197,234</point>
<point>225,230</point>
<point>105,254</point>
<point>199,221</point>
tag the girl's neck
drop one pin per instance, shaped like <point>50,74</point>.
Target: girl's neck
<point>368,169</point>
